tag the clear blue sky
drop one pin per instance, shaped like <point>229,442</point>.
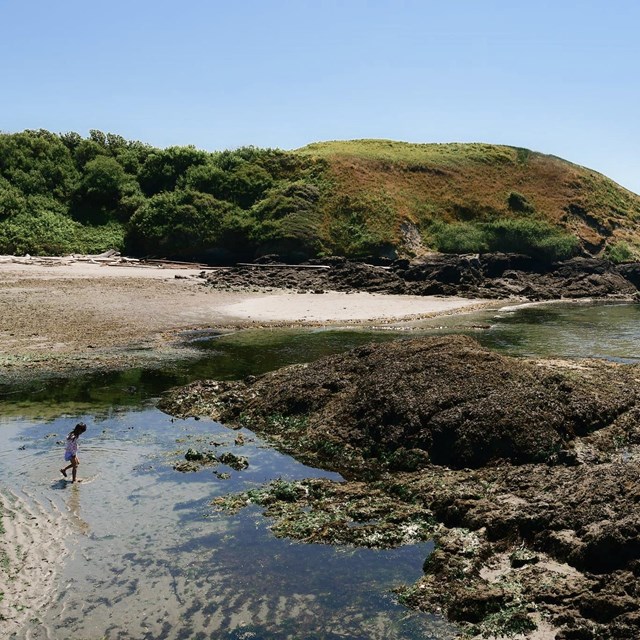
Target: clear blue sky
<point>560,77</point>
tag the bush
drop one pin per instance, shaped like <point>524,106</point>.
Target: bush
<point>458,237</point>
<point>530,237</point>
<point>38,233</point>
<point>361,227</point>
<point>96,239</point>
<point>12,200</point>
<point>287,222</point>
<point>179,224</point>
<point>619,252</point>
<point>518,203</point>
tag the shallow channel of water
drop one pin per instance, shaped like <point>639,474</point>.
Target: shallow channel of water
<point>150,558</point>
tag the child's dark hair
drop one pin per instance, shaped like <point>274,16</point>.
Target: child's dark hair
<point>80,428</point>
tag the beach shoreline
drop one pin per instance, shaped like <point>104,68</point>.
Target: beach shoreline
<point>64,318</point>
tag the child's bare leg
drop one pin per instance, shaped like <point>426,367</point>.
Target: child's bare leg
<point>75,463</point>
<point>64,470</point>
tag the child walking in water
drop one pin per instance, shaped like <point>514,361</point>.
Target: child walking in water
<point>71,450</point>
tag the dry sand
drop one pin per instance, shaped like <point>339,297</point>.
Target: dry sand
<point>81,314</point>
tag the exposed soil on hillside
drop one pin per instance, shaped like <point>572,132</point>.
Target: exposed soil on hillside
<point>524,471</point>
<point>485,276</point>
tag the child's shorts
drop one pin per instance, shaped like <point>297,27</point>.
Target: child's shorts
<point>68,456</point>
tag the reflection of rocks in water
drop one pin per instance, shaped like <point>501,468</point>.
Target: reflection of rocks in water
<point>529,468</point>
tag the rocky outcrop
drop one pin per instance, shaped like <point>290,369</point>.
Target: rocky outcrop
<point>485,276</point>
<point>527,470</point>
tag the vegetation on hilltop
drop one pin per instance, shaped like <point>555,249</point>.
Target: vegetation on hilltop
<point>368,198</point>
<point>478,197</point>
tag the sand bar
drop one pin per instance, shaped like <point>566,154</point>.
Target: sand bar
<point>87,313</point>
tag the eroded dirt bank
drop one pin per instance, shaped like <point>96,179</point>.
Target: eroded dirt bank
<point>526,473</point>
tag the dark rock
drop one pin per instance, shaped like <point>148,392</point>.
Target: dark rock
<point>528,469</point>
<point>235,462</point>
<point>491,275</point>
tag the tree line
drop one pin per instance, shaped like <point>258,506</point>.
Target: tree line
<point>62,193</point>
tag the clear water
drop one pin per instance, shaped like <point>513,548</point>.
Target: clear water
<point>609,331</point>
<point>150,558</point>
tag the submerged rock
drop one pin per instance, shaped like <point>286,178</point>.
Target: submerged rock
<point>528,470</point>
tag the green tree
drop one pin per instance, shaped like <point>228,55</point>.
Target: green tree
<point>12,200</point>
<point>207,178</point>
<point>162,169</point>
<point>38,162</point>
<point>106,193</point>
<point>179,224</point>
<point>247,183</point>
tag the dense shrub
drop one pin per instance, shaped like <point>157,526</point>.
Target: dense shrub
<point>164,167</point>
<point>619,252</point>
<point>12,200</point>
<point>39,232</point>
<point>458,237</point>
<point>518,203</point>
<point>511,235</point>
<point>96,239</point>
<point>536,238</point>
<point>361,227</point>
<point>287,221</point>
<point>180,224</point>
<point>37,162</point>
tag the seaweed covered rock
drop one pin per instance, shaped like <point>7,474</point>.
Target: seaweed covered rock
<point>526,473</point>
<point>445,401</point>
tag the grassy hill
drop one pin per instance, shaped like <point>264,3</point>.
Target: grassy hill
<point>403,187</point>
<point>362,198</point>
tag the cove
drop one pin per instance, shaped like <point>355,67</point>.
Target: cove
<point>149,558</point>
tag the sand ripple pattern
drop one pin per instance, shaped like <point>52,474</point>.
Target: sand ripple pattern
<point>32,551</point>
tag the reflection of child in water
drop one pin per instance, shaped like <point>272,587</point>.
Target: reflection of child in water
<point>71,450</point>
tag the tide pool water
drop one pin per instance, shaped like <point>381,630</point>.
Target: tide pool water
<point>150,558</point>
<point>147,555</point>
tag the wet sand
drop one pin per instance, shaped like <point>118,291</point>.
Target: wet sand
<point>30,556</point>
<point>83,315</point>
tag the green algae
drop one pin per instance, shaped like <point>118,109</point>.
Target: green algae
<point>339,513</point>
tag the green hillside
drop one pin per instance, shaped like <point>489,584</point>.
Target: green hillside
<point>466,185</point>
<point>363,198</point>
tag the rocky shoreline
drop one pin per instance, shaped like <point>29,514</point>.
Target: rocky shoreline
<point>524,472</point>
<point>491,275</point>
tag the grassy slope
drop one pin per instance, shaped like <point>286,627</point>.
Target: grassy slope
<point>421,183</point>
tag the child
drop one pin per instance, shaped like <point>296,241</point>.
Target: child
<point>71,450</point>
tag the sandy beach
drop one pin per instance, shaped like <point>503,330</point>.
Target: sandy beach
<point>82,315</point>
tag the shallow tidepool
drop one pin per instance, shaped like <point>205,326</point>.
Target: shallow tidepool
<point>150,558</point>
